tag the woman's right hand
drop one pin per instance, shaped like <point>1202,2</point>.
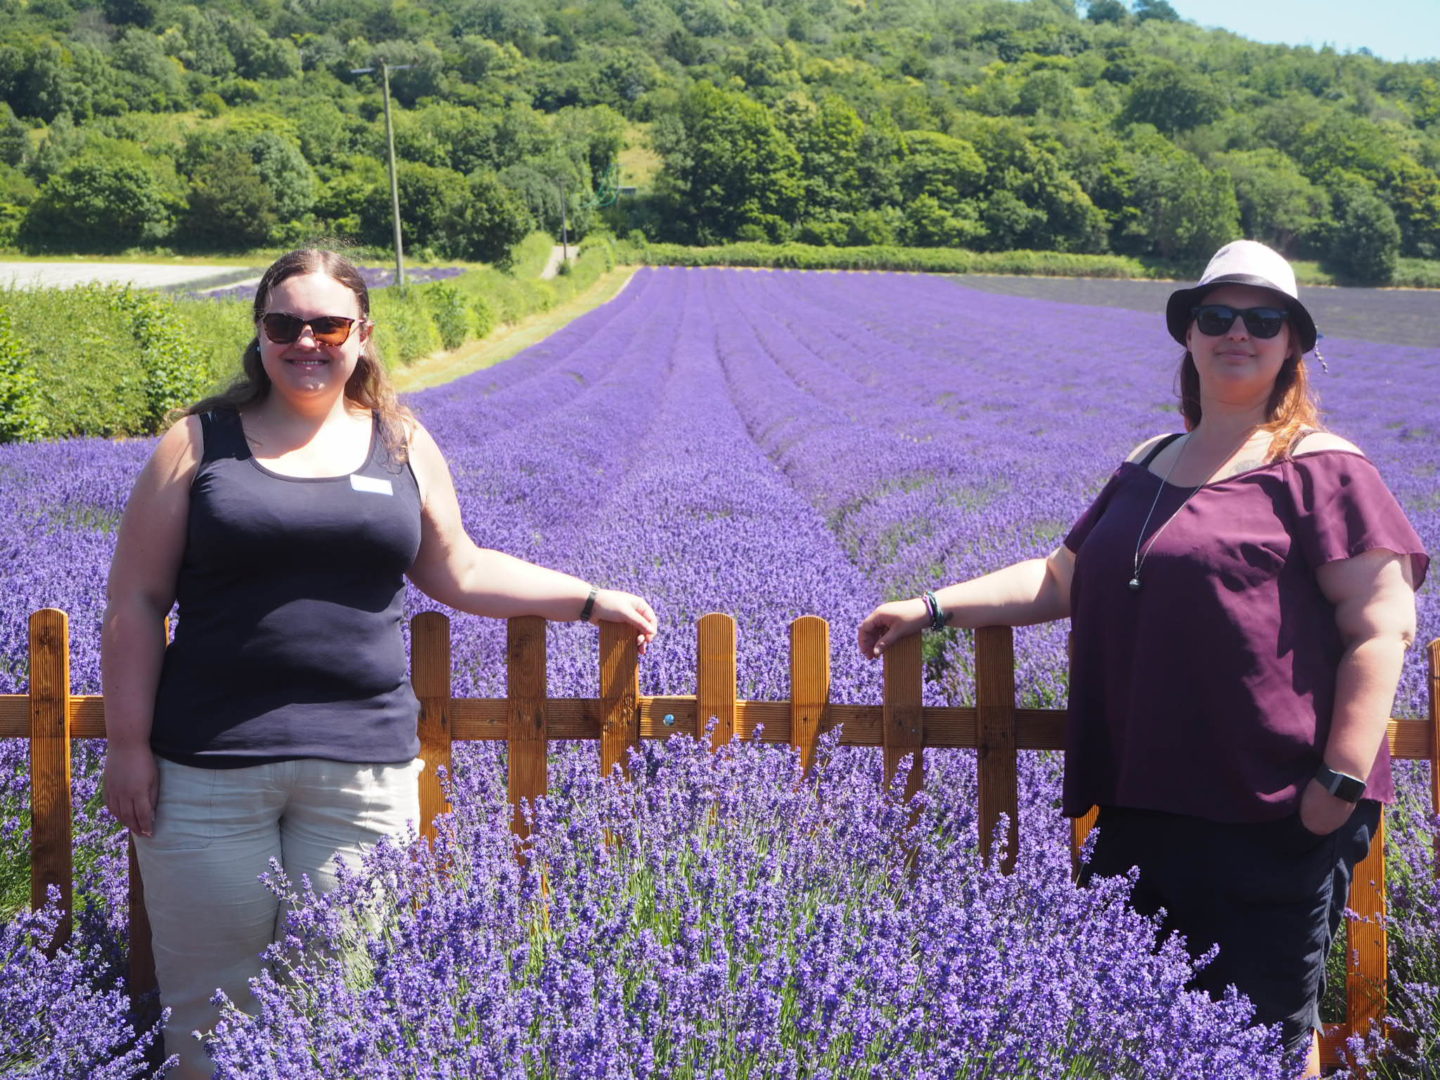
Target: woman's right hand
<point>132,785</point>
<point>890,622</point>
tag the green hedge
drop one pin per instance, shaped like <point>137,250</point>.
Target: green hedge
<point>927,260</point>
<point>1412,273</point>
<point>111,360</point>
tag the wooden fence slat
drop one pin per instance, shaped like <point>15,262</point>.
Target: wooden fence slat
<point>430,678</point>
<point>715,677</point>
<point>525,668</point>
<point>1367,968</point>
<point>995,736</point>
<point>51,860</point>
<point>1079,832</point>
<point>141,981</point>
<point>1434,651</point>
<point>903,722</point>
<point>619,696</point>
<point>809,684</point>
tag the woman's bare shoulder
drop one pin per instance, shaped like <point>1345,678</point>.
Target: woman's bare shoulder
<point>1145,447</point>
<point>1313,441</point>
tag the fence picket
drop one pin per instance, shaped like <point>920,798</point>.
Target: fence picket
<point>995,739</point>
<point>142,982</point>
<point>809,684</point>
<point>902,721</point>
<point>1367,967</point>
<point>619,696</point>
<point>525,710</point>
<point>715,677</point>
<point>51,861</point>
<point>430,678</point>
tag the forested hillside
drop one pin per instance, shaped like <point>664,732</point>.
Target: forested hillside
<point>984,124</point>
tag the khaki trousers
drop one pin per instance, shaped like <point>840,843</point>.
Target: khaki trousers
<point>216,831</point>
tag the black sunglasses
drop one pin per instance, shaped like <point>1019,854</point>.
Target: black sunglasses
<point>1213,320</point>
<point>284,329</point>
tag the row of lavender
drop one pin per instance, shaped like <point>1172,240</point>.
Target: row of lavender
<point>770,445</point>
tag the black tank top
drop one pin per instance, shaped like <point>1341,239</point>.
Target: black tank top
<point>291,592</point>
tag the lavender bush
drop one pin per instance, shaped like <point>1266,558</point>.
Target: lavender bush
<point>768,444</point>
<point>722,916</point>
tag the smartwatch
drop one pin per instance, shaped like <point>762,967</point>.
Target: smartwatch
<point>1341,785</point>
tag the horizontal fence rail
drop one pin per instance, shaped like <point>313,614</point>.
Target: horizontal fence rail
<point>528,719</point>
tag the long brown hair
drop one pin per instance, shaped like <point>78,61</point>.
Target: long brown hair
<point>1293,408</point>
<point>368,386</point>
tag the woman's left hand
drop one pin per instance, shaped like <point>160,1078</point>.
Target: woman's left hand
<point>1321,812</point>
<point>612,605</point>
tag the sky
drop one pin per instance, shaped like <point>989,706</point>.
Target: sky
<point>1391,29</point>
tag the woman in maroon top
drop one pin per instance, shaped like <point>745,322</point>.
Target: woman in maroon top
<point>1241,598</point>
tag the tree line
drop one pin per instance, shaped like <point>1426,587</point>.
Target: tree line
<point>990,125</point>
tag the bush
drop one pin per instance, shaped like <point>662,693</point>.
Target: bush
<point>21,419</point>
<point>451,313</point>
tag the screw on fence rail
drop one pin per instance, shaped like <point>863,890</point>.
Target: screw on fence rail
<point>51,860</point>
<point>430,678</point>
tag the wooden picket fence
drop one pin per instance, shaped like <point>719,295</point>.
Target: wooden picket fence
<point>50,716</point>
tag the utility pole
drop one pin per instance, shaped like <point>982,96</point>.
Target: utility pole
<point>385,70</point>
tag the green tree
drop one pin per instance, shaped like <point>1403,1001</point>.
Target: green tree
<point>99,203</point>
<point>1186,211</point>
<point>1173,99</point>
<point>492,221</point>
<point>432,201</point>
<point>947,169</point>
<point>828,136</point>
<point>229,205</point>
<point>1362,241</point>
<point>727,166</point>
<point>1277,203</point>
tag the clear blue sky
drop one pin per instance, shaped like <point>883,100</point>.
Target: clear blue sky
<point>1391,29</point>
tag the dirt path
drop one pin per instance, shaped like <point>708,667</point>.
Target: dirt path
<point>557,256</point>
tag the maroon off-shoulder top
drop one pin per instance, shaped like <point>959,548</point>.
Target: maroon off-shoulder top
<point>1209,690</point>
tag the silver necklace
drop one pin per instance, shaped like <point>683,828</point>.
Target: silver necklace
<point>1141,556</point>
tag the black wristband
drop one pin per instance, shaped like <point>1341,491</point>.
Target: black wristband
<point>1341,785</point>
<point>589,607</point>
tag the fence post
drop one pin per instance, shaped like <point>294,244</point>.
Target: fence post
<point>902,723</point>
<point>619,696</point>
<point>995,738</point>
<point>809,684</point>
<point>141,980</point>
<point>525,710</point>
<point>1435,740</point>
<point>50,830</point>
<point>430,678</point>
<point>1367,962</point>
<point>715,678</point>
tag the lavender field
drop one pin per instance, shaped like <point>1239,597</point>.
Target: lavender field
<point>768,444</point>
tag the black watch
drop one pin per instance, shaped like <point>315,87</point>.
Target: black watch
<point>1341,785</point>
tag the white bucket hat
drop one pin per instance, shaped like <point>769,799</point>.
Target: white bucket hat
<point>1243,262</point>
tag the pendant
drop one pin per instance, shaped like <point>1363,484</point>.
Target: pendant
<point>1135,584</point>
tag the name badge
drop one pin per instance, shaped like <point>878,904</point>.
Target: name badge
<point>371,484</point>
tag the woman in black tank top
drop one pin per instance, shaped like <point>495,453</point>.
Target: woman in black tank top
<point>283,515</point>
